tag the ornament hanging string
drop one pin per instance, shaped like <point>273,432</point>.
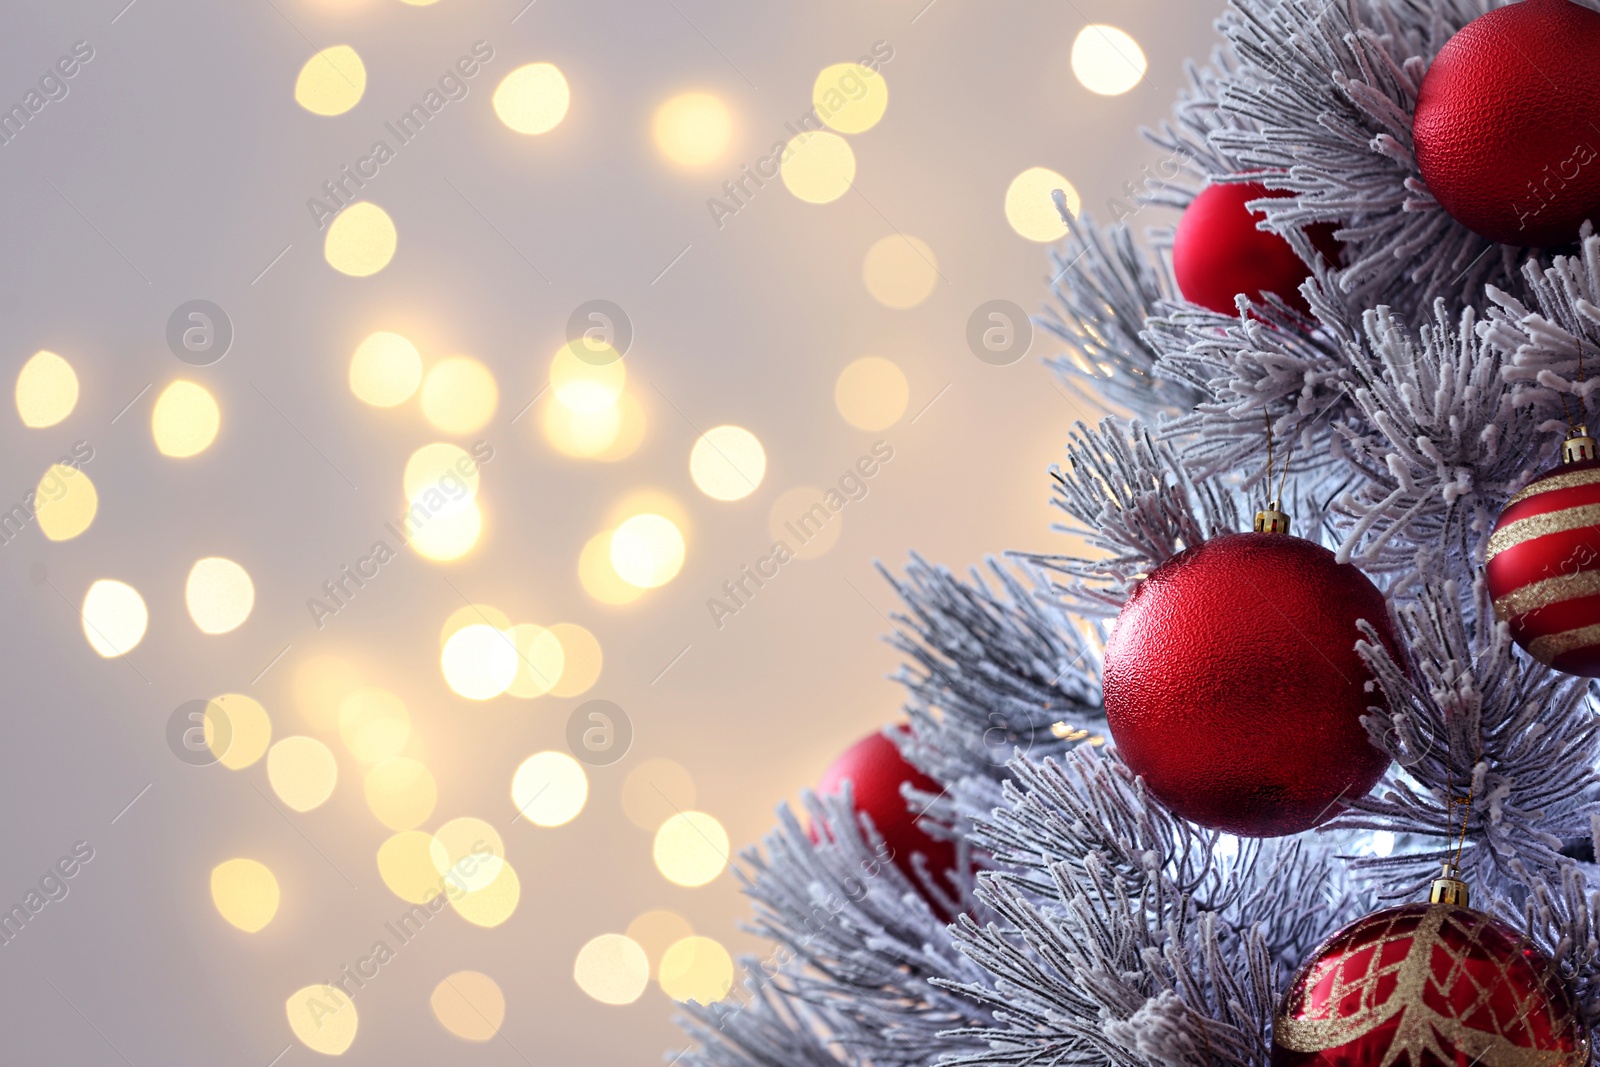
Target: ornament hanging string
<point>1288,455</point>
<point>1564,412</point>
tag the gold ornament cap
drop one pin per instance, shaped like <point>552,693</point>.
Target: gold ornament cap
<point>1579,447</point>
<point>1272,519</point>
<point>1448,889</point>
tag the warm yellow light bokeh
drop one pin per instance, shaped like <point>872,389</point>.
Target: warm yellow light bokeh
<point>361,240</point>
<point>322,1018</point>
<point>727,463</point>
<point>471,614</point>
<point>647,551</point>
<point>540,660</point>
<point>533,98</point>
<point>872,393</point>
<point>245,892</point>
<point>850,98</point>
<point>385,369</point>
<point>900,271</point>
<point>47,390</point>
<point>581,659</point>
<point>494,903</point>
<point>696,968</point>
<point>608,434</point>
<point>374,724</point>
<point>612,969</point>
<point>583,385</point>
<point>468,851</point>
<point>405,862</point>
<point>1107,60</point>
<point>331,82</point>
<point>449,533</point>
<point>459,395</point>
<point>656,931</point>
<point>818,167</point>
<point>302,771</point>
<point>479,662</point>
<point>185,420</point>
<point>319,686</point>
<point>470,1005</point>
<point>691,848</point>
<point>401,793</point>
<point>549,788</point>
<point>600,579</point>
<point>239,727</point>
<point>656,790</point>
<point>65,502</point>
<point>693,129</point>
<point>444,467</point>
<point>1031,207</point>
<point>219,595</point>
<point>801,519</point>
<point>114,617</point>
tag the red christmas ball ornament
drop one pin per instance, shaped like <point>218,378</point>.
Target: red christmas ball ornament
<point>1543,565</point>
<point>1232,683</point>
<point>1428,985</point>
<point>876,771</point>
<point>1504,127</point>
<point>1218,252</point>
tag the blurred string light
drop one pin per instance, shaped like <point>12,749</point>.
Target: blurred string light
<point>494,903</point>
<point>533,98</point>
<point>818,167</point>
<point>599,579</point>
<point>361,240</point>
<point>654,791</point>
<point>114,617</point>
<point>1030,204</point>
<point>449,533</point>
<point>479,662</point>
<point>385,369</point>
<point>459,395</point>
<point>245,892</point>
<point>467,615</point>
<point>302,771</point>
<point>442,466</point>
<point>590,415</point>
<point>319,685</point>
<point>612,969</point>
<point>322,1018</point>
<point>691,848</point>
<point>872,393</point>
<point>647,550</point>
<point>405,863</point>
<point>401,793</point>
<point>581,659</point>
<point>65,502</point>
<point>47,390</point>
<point>900,271</point>
<point>469,852</point>
<point>185,420</point>
<point>656,931</point>
<point>331,82</point>
<point>237,729</point>
<point>374,724</point>
<point>540,660</point>
<point>549,788</point>
<point>801,518</point>
<point>693,129</point>
<point>1107,60</point>
<point>696,968</point>
<point>849,97</point>
<point>727,463</point>
<point>585,378</point>
<point>219,595</point>
<point>469,1004</point>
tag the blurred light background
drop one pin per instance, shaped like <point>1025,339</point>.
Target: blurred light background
<point>358,474</point>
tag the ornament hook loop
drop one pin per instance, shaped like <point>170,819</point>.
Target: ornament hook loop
<point>1450,889</point>
<point>1579,447</point>
<point>1272,519</point>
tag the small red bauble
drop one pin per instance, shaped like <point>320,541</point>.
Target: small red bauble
<point>1428,985</point>
<point>1232,683</point>
<point>1543,566</point>
<point>1217,251</point>
<point>876,771</point>
<point>1504,128</point>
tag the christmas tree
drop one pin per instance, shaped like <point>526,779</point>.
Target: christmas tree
<point>1391,385</point>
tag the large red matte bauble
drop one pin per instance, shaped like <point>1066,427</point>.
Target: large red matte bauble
<point>1543,568</point>
<point>1428,985</point>
<point>1217,251</point>
<point>1505,127</point>
<point>876,771</point>
<point>1232,683</point>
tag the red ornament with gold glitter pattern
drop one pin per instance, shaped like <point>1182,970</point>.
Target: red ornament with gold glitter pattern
<point>1543,565</point>
<point>1429,985</point>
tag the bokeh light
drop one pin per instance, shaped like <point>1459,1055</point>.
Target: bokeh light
<point>549,788</point>
<point>385,369</point>
<point>405,862</point>
<point>322,1018</point>
<point>1031,207</point>
<point>581,381</point>
<point>599,578</point>
<point>479,662</point>
<point>470,614</point>
<point>361,240</point>
<point>219,595</point>
<point>691,848</point>
<point>468,852</point>
<point>533,98</point>
<point>245,892</point>
<point>872,393</point>
<point>331,82</point>
<point>647,550</point>
<point>185,420</point>
<point>47,390</point>
<point>693,129</point>
<point>374,724</point>
<point>65,502</point>
<point>494,903</point>
<point>801,519</point>
<point>656,931</point>
<point>302,771</point>
<point>470,1005</point>
<point>818,167</point>
<point>612,969</point>
<point>727,463</point>
<point>449,533</point>
<point>401,793</point>
<point>849,97</point>
<point>114,617</point>
<point>459,395</point>
<point>696,968</point>
<point>609,434</point>
<point>237,730</point>
<point>656,790</point>
<point>444,467</point>
<point>581,659</point>
<point>540,660</point>
<point>1107,60</point>
<point>319,685</point>
<point>900,271</point>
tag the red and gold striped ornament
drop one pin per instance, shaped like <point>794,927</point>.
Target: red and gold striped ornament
<point>1543,565</point>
